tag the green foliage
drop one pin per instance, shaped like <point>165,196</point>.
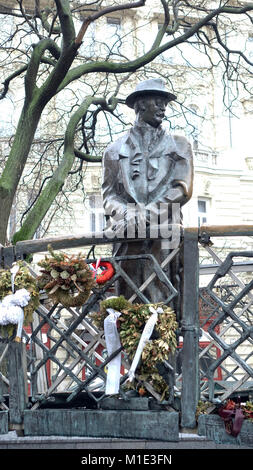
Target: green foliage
<point>202,408</point>
<point>117,303</point>
<point>248,410</point>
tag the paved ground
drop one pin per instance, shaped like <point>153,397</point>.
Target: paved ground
<point>186,441</point>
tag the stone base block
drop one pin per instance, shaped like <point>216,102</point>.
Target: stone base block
<point>136,404</point>
<point>156,425</point>
<point>212,426</point>
<point>4,422</point>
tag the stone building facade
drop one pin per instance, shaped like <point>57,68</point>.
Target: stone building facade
<point>223,156</point>
<point>221,139</point>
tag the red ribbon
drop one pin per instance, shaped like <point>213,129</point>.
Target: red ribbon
<point>106,274</point>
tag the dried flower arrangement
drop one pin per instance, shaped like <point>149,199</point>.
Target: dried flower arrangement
<point>66,279</point>
<point>130,325</point>
<point>233,413</point>
<point>23,280</point>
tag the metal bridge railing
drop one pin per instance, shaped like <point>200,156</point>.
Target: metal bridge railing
<point>65,352</point>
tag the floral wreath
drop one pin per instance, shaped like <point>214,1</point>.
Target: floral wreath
<point>66,279</point>
<point>23,280</point>
<point>130,326</point>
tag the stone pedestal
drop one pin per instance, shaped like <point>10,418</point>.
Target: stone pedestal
<point>156,425</point>
<point>212,426</point>
<point>3,422</point>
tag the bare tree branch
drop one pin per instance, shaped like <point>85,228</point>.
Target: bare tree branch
<point>189,30</point>
<point>103,12</point>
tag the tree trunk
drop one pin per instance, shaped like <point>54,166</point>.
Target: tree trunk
<point>50,191</point>
<point>14,167</point>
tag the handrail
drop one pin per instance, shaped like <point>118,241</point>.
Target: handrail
<point>226,230</point>
<point>26,247</point>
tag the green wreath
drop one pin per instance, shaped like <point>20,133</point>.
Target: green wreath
<point>23,280</point>
<point>130,325</point>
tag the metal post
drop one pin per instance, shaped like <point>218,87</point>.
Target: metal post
<point>8,256</point>
<point>190,329</point>
<point>17,371</point>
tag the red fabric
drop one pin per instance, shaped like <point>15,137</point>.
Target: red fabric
<point>233,417</point>
<point>106,274</point>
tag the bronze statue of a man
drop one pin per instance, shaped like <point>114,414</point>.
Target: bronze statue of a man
<point>147,168</point>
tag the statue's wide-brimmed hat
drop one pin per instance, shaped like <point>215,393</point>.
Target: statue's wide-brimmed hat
<point>154,86</point>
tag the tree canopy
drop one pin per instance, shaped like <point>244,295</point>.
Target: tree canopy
<point>71,81</point>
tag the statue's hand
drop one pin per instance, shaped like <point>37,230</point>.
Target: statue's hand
<point>174,195</point>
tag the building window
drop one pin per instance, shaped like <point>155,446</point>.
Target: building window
<point>88,46</point>
<point>96,213</point>
<point>190,54</point>
<point>169,56</point>
<point>193,126</point>
<point>112,38</point>
<point>12,224</point>
<point>6,125</point>
<point>113,21</point>
<point>203,209</point>
<point>194,50</point>
<point>249,47</point>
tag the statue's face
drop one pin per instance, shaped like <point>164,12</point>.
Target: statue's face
<point>153,109</point>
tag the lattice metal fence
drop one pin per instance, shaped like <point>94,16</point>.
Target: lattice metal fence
<point>66,353</point>
<point>226,322</point>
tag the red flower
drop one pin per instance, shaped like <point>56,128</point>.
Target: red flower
<point>230,405</point>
